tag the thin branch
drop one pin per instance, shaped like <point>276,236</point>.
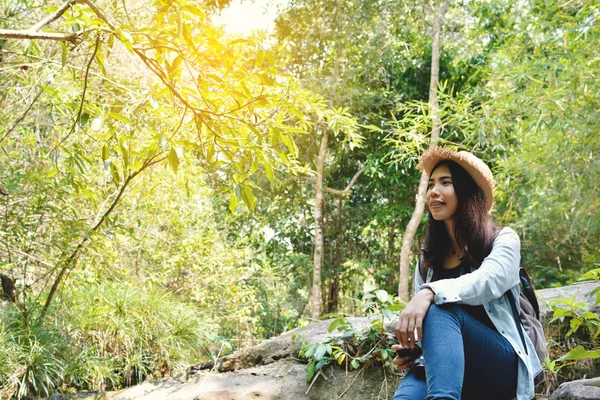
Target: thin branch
<point>29,35</point>
<point>85,85</point>
<point>22,116</point>
<point>351,383</point>
<point>53,17</point>
<point>70,262</point>
<point>127,15</point>
<point>347,189</point>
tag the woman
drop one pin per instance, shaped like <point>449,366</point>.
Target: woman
<point>460,310</point>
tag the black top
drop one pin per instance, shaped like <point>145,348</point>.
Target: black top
<point>476,311</point>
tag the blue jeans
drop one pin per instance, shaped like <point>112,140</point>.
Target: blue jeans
<point>464,358</point>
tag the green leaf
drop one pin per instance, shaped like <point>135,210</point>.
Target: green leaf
<point>579,353</point>
<point>270,58</point>
<point>310,350</point>
<point>368,287</point>
<point>173,159</point>
<point>50,91</point>
<point>64,52</point>
<point>111,43</point>
<point>355,363</point>
<point>382,295</point>
<point>248,197</point>
<point>84,118</point>
<point>115,174</point>
<point>104,153</point>
<point>233,202</point>
<point>260,59</point>
<point>100,60</point>
<point>126,39</point>
<point>310,371</point>
<point>593,274</point>
<point>334,324</point>
<point>125,154</point>
<point>321,364</point>
<point>119,117</point>
<point>269,172</point>
<point>320,351</point>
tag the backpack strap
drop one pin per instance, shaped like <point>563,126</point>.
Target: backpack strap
<point>528,291</point>
<point>426,275</point>
<point>421,269</point>
<point>516,317</point>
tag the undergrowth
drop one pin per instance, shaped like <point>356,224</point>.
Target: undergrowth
<point>354,348</point>
<point>572,336</point>
<point>99,337</point>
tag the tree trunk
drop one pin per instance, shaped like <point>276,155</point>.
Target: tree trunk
<point>333,294</point>
<point>411,229</point>
<point>318,210</point>
<point>391,253</point>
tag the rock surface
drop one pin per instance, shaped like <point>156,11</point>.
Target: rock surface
<point>579,290</point>
<point>281,380</point>
<point>582,389</point>
<point>271,371</point>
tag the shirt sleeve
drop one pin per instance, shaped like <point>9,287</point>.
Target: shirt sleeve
<point>498,272</point>
<point>418,279</point>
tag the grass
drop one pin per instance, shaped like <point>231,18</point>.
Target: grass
<point>99,337</point>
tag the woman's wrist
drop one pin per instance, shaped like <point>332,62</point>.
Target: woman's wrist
<point>428,294</point>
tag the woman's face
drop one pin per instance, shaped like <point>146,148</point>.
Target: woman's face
<point>441,197</point>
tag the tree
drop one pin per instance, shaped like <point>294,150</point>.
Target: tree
<point>227,97</point>
<point>415,220</point>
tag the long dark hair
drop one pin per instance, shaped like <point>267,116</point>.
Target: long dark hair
<point>474,230</point>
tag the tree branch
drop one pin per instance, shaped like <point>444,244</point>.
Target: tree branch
<point>347,189</point>
<point>31,35</point>
<point>85,85</point>
<point>22,117</point>
<point>53,17</point>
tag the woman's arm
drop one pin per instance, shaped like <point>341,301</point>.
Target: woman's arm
<point>498,272</point>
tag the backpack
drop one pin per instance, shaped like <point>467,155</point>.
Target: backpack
<point>529,317</point>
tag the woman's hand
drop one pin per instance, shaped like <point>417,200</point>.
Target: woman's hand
<point>412,317</point>
<point>401,362</point>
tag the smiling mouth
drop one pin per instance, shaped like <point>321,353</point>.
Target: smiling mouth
<point>436,204</point>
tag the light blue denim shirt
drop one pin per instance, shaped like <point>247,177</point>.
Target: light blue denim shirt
<point>487,286</point>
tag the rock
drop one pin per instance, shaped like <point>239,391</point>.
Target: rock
<point>271,370</point>
<point>579,290</point>
<point>281,380</point>
<point>582,389</point>
<point>279,347</point>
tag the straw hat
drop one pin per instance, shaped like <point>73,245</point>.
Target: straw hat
<point>479,171</point>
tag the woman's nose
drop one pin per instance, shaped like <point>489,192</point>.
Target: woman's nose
<point>433,191</point>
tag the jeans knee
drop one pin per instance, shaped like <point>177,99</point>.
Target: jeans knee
<point>443,314</point>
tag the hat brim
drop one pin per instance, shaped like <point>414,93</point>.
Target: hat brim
<point>479,171</point>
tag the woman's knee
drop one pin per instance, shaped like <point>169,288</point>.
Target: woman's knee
<point>411,388</point>
<point>442,314</point>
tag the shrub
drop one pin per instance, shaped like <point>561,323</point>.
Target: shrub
<point>99,337</point>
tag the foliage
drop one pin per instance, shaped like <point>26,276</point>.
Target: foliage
<point>355,348</point>
<point>128,153</point>
<point>100,337</point>
<point>573,328</point>
<point>34,356</point>
<point>538,109</point>
<point>593,274</point>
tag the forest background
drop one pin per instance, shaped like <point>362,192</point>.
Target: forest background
<point>163,183</point>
